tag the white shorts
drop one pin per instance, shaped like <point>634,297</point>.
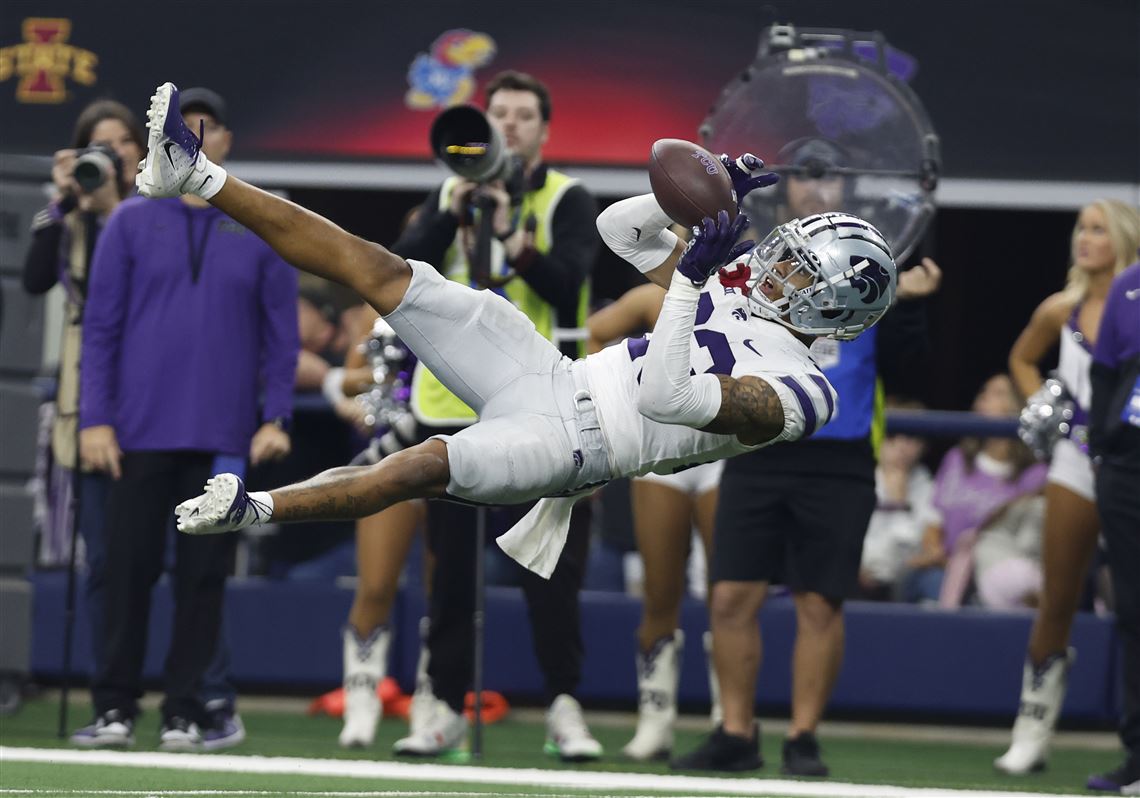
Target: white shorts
<point>1072,469</point>
<point>692,482</point>
<point>537,433</point>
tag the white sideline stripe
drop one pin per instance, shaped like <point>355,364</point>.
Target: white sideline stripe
<point>317,794</point>
<point>465,774</point>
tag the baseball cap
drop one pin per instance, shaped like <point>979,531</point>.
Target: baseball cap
<point>205,100</point>
<point>814,155</point>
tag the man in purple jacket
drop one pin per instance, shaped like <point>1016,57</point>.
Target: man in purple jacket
<point>188,366</point>
<point>1114,443</point>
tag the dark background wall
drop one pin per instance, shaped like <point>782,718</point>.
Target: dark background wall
<point>998,265</point>
<point>1032,89</point>
<point>1019,91</point>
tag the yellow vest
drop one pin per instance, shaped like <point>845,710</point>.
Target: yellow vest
<point>431,402</point>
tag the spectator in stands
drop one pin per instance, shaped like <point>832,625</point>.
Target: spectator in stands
<point>64,235</point>
<point>1007,556</point>
<point>903,487</point>
<point>665,511</point>
<point>545,247</point>
<point>975,481</point>
<point>165,327</point>
<point>1114,440</point>
<point>1104,241</point>
<point>771,526</point>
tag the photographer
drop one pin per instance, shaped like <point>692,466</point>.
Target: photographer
<point>541,251</point>
<point>106,147</point>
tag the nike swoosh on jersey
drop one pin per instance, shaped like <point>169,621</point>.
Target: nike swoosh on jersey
<point>1133,293</point>
<point>748,343</point>
<point>638,231</point>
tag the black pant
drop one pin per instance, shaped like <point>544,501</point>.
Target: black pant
<point>552,604</point>
<point>139,509</point>
<point>1119,504</point>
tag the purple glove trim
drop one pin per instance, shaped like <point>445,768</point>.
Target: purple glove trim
<point>744,172</point>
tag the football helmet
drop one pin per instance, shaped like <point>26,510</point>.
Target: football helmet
<point>850,274</point>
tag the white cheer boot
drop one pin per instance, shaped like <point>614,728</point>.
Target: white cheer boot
<point>658,675</point>
<point>365,665</point>
<point>1042,693</point>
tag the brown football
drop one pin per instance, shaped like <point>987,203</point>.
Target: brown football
<point>689,182</point>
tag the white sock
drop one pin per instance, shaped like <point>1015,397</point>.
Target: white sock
<point>206,180</point>
<point>263,504</point>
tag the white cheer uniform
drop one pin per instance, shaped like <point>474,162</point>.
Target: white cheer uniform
<point>552,427</point>
<point>1069,465</point>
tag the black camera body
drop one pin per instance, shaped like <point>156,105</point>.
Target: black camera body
<point>95,165</point>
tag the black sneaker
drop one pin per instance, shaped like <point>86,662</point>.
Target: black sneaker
<point>723,751</point>
<point>801,757</point>
<point>1124,780</point>
<point>179,734</point>
<point>112,729</point>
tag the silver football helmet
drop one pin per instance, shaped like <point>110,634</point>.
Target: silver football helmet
<point>830,274</point>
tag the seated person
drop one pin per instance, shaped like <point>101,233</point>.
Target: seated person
<point>975,479</point>
<point>1007,556</point>
<point>903,487</point>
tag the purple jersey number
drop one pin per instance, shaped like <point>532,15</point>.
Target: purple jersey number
<point>716,343</point>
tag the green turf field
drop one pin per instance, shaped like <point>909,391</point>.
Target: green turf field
<point>288,753</point>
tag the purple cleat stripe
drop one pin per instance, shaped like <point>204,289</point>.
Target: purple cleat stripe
<point>174,128</point>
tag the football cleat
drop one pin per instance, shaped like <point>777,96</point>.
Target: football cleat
<point>174,162</point>
<point>225,506</point>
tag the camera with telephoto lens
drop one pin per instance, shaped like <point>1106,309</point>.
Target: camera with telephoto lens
<point>470,146</point>
<point>96,165</point>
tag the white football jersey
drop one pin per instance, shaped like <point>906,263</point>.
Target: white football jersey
<point>727,339</point>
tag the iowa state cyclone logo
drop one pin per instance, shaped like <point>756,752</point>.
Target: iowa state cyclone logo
<point>445,76</point>
<point>45,60</point>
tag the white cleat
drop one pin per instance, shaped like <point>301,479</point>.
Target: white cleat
<point>567,735</point>
<point>174,162</point>
<point>435,729</point>
<point>1042,693</point>
<point>225,506</point>
<point>365,663</point>
<point>658,675</point>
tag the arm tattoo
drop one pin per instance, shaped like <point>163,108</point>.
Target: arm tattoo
<point>749,408</point>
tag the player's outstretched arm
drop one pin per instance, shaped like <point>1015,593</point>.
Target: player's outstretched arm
<point>669,393</point>
<point>638,230</point>
<point>750,409</point>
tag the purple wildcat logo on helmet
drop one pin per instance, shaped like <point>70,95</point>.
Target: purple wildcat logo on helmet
<point>872,281</point>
